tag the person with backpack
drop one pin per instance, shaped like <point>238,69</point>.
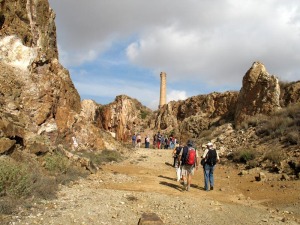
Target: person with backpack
<point>210,158</point>
<point>189,160</point>
<point>176,163</point>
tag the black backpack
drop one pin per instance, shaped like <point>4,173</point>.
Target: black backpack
<point>211,158</point>
<point>178,150</point>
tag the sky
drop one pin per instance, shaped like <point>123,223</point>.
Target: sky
<point>113,47</point>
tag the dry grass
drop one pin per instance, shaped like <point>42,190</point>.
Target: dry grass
<point>103,157</point>
<point>25,179</point>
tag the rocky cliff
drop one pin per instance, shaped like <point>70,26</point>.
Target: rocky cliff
<point>40,107</point>
<point>261,93</point>
<point>123,117</point>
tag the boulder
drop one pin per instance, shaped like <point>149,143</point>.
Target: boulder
<point>150,219</point>
<point>6,144</point>
<point>260,93</point>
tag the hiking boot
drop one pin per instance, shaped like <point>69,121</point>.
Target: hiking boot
<point>188,188</point>
<point>211,188</point>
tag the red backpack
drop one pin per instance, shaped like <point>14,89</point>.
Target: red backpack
<point>191,156</point>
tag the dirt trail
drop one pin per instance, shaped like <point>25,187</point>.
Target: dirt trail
<point>121,192</point>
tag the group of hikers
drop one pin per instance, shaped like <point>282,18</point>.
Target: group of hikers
<point>159,141</point>
<point>186,158</point>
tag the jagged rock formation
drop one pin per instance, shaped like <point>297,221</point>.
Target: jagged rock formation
<point>290,93</point>
<point>188,118</point>
<point>40,107</point>
<point>123,117</point>
<point>259,95</point>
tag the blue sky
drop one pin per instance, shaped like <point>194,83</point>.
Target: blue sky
<point>116,47</point>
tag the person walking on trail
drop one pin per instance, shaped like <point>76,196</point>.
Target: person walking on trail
<point>176,163</point>
<point>147,141</point>
<point>189,159</point>
<point>139,140</point>
<point>159,139</point>
<point>133,140</point>
<point>154,140</point>
<point>211,157</point>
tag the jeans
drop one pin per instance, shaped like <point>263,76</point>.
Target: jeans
<point>147,144</point>
<point>208,176</point>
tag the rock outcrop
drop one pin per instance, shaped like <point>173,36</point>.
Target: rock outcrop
<point>290,93</point>
<point>123,117</point>
<point>190,117</point>
<point>260,93</point>
<point>40,107</point>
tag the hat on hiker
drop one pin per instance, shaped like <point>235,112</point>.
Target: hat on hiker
<point>209,144</point>
<point>190,143</point>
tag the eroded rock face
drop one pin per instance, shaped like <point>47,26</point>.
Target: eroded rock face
<point>291,93</point>
<point>260,93</point>
<point>40,106</point>
<point>123,117</point>
<point>189,117</point>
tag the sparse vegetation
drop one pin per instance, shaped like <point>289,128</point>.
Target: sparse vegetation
<point>104,156</point>
<point>15,179</point>
<point>244,155</point>
<point>206,135</point>
<point>25,179</point>
<point>283,124</point>
<point>57,163</point>
<point>144,114</point>
<point>274,156</point>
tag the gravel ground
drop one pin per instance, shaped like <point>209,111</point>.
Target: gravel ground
<point>145,183</point>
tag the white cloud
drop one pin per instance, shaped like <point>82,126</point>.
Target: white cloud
<point>175,95</point>
<point>211,43</point>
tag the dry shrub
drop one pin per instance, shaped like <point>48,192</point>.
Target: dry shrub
<point>206,135</point>
<point>8,204</point>
<point>274,156</point>
<point>253,121</point>
<point>57,163</point>
<point>252,164</point>
<point>104,156</point>
<point>15,179</point>
<point>244,155</point>
<point>293,137</point>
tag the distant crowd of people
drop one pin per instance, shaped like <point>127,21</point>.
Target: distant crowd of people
<point>159,141</point>
<point>187,158</point>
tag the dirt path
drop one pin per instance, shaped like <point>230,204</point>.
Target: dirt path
<point>121,192</point>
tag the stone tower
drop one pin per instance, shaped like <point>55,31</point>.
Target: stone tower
<point>163,89</point>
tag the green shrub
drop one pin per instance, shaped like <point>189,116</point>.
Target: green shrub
<point>15,179</point>
<point>144,114</point>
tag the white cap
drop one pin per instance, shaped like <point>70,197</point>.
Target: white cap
<point>209,144</point>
